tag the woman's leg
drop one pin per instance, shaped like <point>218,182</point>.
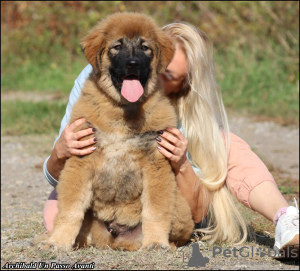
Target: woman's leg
<point>250,181</point>
<point>50,211</point>
<point>266,199</point>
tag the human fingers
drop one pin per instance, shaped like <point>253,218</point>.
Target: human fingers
<point>70,143</point>
<point>173,145</point>
<point>82,133</point>
<point>81,152</point>
<point>176,155</point>
<point>66,147</point>
<point>168,146</point>
<point>166,153</point>
<point>83,143</point>
<point>173,137</point>
<point>76,124</point>
<point>177,133</point>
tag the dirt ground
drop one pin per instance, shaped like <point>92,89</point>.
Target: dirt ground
<point>24,191</point>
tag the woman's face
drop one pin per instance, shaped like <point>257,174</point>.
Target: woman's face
<point>174,75</point>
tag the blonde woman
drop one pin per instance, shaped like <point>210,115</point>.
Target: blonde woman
<point>210,163</point>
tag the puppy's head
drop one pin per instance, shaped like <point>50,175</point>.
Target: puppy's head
<point>127,52</point>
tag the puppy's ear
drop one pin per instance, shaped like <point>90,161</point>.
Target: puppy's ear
<point>165,51</point>
<point>93,46</point>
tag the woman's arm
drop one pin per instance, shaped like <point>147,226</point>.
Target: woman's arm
<point>196,194</point>
<point>173,145</point>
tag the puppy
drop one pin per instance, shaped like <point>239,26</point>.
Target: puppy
<point>124,194</point>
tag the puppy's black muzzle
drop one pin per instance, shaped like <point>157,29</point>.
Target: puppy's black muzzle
<point>132,66</point>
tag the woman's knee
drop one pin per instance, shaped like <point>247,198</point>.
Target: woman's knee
<point>50,211</point>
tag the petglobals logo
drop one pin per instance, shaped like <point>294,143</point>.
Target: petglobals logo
<point>192,256</point>
<point>250,252</point>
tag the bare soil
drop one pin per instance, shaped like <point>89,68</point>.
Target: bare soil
<point>24,191</point>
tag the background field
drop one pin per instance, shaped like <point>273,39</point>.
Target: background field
<point>257,63</point>
<point>256,51</point>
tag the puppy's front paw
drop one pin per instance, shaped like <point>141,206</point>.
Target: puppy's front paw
<point>40,238</point>
<point>44,242</point>
<point>155,246</point>
<point>48,245</point>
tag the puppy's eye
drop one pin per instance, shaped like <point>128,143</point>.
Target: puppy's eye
<point>145,48</point>
<point>117,47</point>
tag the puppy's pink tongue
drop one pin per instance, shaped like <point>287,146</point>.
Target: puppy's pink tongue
<point>132,90</point>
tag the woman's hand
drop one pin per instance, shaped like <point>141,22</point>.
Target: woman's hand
<point>68,143</point>
<point>173,145</point>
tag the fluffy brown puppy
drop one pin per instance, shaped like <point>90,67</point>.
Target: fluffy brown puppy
<point>124,194</point>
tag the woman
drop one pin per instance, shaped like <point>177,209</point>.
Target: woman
<point>209,162</point>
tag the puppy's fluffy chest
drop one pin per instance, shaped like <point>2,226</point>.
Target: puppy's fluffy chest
<point>119,170</point>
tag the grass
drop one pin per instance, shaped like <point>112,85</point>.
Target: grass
<point>257,67</point>
<point>258,85</point>
<point>22,220</point>
<point>50,75</point>
<point>21,232</point>
<point>21,118</point>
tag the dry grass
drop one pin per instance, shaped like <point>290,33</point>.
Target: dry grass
<point>17,234</point>
<point>21,220</point>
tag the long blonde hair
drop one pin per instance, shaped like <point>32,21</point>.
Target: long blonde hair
<point>204,121</point>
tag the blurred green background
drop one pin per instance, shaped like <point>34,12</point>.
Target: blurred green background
<point>256,52</point>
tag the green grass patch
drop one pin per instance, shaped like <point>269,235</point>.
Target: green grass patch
<point>257,67</point>
<point>258,85</point>
<point>20,118</point>
<point>53,75</point>
<point>287,190</point>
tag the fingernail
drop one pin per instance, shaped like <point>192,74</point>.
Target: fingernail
<point>160,132</point>
<point>158,139</point>
<point>158,147</point>
<point>94,148</point>
<point>95,139</point>
<point>94,129</point>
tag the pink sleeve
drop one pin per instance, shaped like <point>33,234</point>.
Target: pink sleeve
<point>245,170</point>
